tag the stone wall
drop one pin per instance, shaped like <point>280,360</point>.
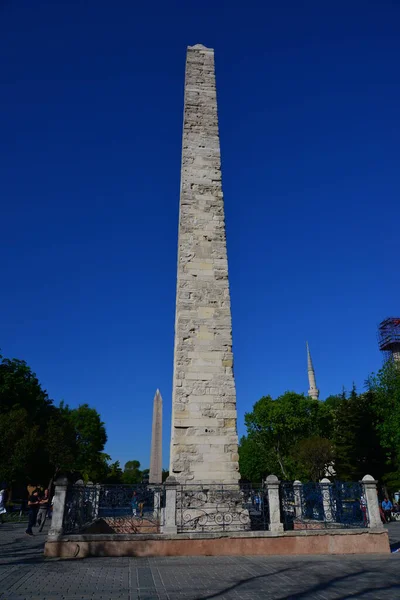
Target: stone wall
<point>204,443</point>
<point>293,543</point>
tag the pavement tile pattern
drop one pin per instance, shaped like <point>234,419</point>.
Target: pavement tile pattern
<point>25,574</point>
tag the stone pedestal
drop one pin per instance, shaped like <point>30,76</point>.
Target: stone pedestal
<point>297,485</point>
<point>57,518</point>
<point>326,487</point>
<point>169,512</point>
<point>371,497</point>
<point>275,524</point>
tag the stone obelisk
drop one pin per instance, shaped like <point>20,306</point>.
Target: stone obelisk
<point>313,392</point>
<point>155,475</point>
<point>204,443</point>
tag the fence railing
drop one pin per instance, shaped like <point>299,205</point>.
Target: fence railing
<point>323,505</point>
<point>15,516</point>
<point>219,507</point>
<point>173,508</point>
<point>113,509</point>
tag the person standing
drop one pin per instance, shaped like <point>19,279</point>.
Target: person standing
<point>43,508</point>
<point>3,498</point>
<point>363,506</point>
<point>134,504</point>
<point>33,507</point>
<point>387,509</point>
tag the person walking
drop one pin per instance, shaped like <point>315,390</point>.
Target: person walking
<point>33,507</point>
<point>3,499</point>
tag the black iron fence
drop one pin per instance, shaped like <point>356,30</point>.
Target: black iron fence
<point>16,513</point>
<point>323,505</point>
<point>221,507</point>
<point>114,509</point>
<point>100,509</point>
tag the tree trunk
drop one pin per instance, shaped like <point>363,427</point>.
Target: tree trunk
<point>280,462</point>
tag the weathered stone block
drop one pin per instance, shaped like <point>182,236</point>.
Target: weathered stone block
<point>203,361</point>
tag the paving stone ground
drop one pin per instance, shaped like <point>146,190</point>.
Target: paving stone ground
<point>25,574</point>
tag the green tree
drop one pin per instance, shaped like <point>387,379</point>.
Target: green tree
<point>256,461</point>
<point>115,474</point>
<point>384,394</point>
<point>132,473</point>
<point>60,443</point>
<point>278,425</point>
<point>24,411</point>
<point>38,439</point>
<point>20,387</point>
<point>90,439</point>
<point>315,455</point>
<point>19,442</point>
<point>357,447</point>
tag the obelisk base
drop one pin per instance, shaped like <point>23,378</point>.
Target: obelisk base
<point>212,508</point>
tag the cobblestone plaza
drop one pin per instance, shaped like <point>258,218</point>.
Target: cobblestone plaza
<point>25,574</point>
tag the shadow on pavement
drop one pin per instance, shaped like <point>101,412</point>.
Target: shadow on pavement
<point>322,586</point>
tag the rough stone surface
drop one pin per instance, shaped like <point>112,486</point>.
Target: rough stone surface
<point>155,475</point>
<point>204,436</point>
<point>314,542</point>
<point>275,524</point>
<point>371,497</point>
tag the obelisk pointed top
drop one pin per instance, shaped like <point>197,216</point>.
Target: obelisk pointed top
<point>313,392</point>
<point>155,475</point>
<point>200,47</point>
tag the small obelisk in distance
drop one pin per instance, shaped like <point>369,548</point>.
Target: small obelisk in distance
<point>313,392</point>
<point>155,475</point>
<point>204,441</point>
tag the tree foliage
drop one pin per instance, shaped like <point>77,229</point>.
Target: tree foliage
<point>275,427</point>
<point>90,439</point>
<point>19,443</point>
<point>38,439</point>
<point>132,473</point>
<point>384,393</point>
<point>115,473</point>
<point>296,437</point>
<point>315,455</point>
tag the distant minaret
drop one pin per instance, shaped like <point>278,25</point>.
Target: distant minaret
<point>155,475</point>
<point>313,392</point>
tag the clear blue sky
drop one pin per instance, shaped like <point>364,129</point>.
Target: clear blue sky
<point>91,107</point>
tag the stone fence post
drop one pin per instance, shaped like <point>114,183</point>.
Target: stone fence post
<point>326,491</point>
<point>371,499</point>
<point>60,493</point>
<point>169,525</point>
<point>297,487</point>
<point>275,524</point>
